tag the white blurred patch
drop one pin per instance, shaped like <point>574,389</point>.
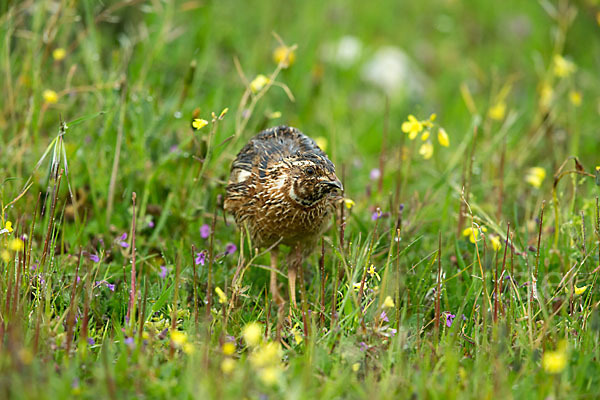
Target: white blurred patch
<point>394,72</point>
<point>344,53</point>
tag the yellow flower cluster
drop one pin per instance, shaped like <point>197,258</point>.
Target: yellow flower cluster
<point>179,340</point>
<point>221,294</point>
<point>13,245</point>
<point>412,126</point>
<point>265,357</point>
<point>562,67</point>
<point>259,83</point>
<point>473,233</point>
<point>535,176</point>
<point>284,56</point>
<point>554,362</point>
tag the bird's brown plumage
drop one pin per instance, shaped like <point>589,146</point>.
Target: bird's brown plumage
<point>283,188</point>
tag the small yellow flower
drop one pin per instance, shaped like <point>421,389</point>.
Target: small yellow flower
<point>270,375</point>
<point>443,137</point>
<point>59,54</point>
<point>15,244</point>
<point>50,96</point>
<point>554,362</point>
<point>563,67</point>
<point>266,355</point>
<point>356,286</point>
<point>228,348</point>
<point>221,294</point>
<point>258,83</point>
<point>349,203</point>
<point>178,338</point>
<point>297,334</point>
<point>8,227</point>
<point>188,348</point>
<point>473,234</point>
<point>388,302</point>
<point>495,242</point>
<point>284,55</point>
<point>321,142</point>
<point>426,150</point>
<point>497,111</point>
<point>579,290</point>
<point>199,123</point>
<point>252,333</point>
<point>575,97</point>
<point>372,272</point>
<point>535,176</point>
<point>5,255</point>
<point>412,126</point>
<point>227,366</point>
<point>425,136</point>
<point>355,367</point>
<point>274,115</point>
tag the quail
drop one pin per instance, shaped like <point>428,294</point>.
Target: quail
<point>283,190</point>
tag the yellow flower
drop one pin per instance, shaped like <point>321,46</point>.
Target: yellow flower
<point>355,367</point>
<point>579,290</point>
<point>388,302</point>
<point>412,126</point>
<point>199,123</point>
<point>297,334</point>
<point>5,255</point>
<point>266,355</point>
<point>252,333</point>
<point>228,348</point>
<point>473,234</point>
<point>495,242</point>
<point>349,203</point>
<point>356,286</point>
<point>178,338</point>
<point>535,176</point>
<point>258,83</point>
<point>188,348</point>
<point>497,111</point>
<point>425,136</point>
<point>575,97</point>
<point>284,55</point>
<point>554,362</point>
<point>221,294</point>
<point>274,115</point>
<point>426,150</point>
<point>321,142</point>
<point>372,272</point>
<point>563,67</point>
<point>227,366</point>
<point>443,137</point>
<point>7,227</point>
<point>15,244</point>
<point>50,96</point>
<point>59,54</point>
<point>270,375</point>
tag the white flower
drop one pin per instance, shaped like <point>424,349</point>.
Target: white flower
<point>344,53</point>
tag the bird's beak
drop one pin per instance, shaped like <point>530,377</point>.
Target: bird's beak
<point>334,185</point>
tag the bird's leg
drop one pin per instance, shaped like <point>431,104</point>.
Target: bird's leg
<point>274,288</point>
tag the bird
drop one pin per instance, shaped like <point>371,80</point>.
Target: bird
<point>283,189</point>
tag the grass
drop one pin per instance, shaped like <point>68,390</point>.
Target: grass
<point>109,187</point>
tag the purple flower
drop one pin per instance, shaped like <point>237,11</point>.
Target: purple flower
<point>205,231</point>
<point>375,174</point>
<point>122,241</point>
<point>110,286</point>
<point>94,258</point>
<point>230,248</point>
<point>449,319</point>
<point>363,346</point>
<point>375,216</point>
<point>151,224</point>
<point>384,317</point>
<point>393,332</point>
<point>78,278</point>
<point>129,342</point>
<point>200,258</point>
<point>91,341</point>
<point>163,272</point>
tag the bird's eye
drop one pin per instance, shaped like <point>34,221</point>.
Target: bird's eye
<point>310,171</point>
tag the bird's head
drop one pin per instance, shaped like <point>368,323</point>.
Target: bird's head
<point>312,179</point>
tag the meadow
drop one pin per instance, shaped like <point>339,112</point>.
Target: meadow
<point>461,263</point>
